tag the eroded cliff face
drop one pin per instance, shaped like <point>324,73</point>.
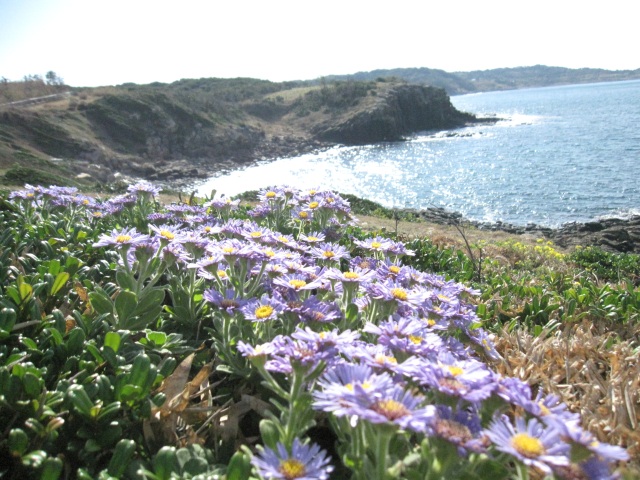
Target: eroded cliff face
<point>396,113</point>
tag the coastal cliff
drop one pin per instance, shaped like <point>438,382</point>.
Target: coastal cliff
<point>193,128</point>
<point>399,111</point>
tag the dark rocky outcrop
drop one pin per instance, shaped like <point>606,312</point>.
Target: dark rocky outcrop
<point>619,235</point>
<point>396,113</point>
<point>612,234</point>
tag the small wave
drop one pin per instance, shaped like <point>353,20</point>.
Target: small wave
<point>518,119</point>
<point>622,214</point>
<point>448,135</point>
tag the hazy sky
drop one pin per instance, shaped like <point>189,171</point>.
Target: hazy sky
<point>98,42</point>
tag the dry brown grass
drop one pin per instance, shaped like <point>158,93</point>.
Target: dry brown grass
<point>596,375</point>
<point>439,234</point>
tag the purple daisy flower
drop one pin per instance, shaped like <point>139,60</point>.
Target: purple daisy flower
<point>168,233</point>
<point>223,203</point>
<point>122,238</point>
<point>313,238</point>
<point>305,462</point>
<point>302,214</point>
<point>376,244</point>
<point>290,354</point>
<point>530,442</point>
<point>181,210</point>
<point>406,334</point>
<point>314,310</point>
<point>259,351</point>
<point>122,200</point>
<point>174,253</point>
<point>584,440</point>
<point>329,252</point>
<point>480,337</point>
<point>390,270</point>
<point>399,249</point>
<point>378,357</point>
<point>266,308</point>
<point>356,275</point>
<point>256,233</point>
<point>158,217</point>
<point>334,340</point>
<point>470,379</point>
<point>270,195</point>
<point>460,427</point>
<point>145,188</point>
<point>550,407</point>
<point>294,282</point>
<point>513,390</point>
<point>363,263</point>
<point>342,383</point>
<point>394,406</point>
<point>226,302</point>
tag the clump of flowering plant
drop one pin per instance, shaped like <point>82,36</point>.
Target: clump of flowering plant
<point>297,328</point>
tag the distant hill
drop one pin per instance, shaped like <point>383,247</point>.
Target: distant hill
<point>458,83</point>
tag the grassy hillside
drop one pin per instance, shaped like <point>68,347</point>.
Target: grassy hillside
<point>169,132</point>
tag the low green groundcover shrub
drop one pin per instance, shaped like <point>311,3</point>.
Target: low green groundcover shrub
<point>210,341</point>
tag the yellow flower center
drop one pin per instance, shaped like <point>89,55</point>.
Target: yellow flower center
<point>292,468</point>
<point>167,234</point>
<point>390,408</point>
<point>328,254</point>
<point>297,283</point>
<point>312,192</point>
<point>85,202</point>
<point>256,234</point>
<point>365,385</point>
<point>431,322</point>
<point>228,249</point>
<point>263,312</point>
<point>313,205</point>
<point>543,409</point>
<point>97,214</point>
<point>376,244</point>
<point>123,238</point>
<point>444,298</point>
<point>399,294</point>
<point>222,274</point>
<point>382,359</point>
<point>312,239</point>
<point>207,229</point>
<point>527,446</point>
<point>303,214</point>
<point>454,370</point>
<point>270,253</point>
<point>394,269</point>
<point>415,339</point>
<point>351,275</point>
<point>283,239</point>
<point>270,194</point>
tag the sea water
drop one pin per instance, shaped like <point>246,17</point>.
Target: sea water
<point>557,155</point>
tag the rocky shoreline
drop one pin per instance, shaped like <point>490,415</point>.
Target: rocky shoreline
<point>620,235</point>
